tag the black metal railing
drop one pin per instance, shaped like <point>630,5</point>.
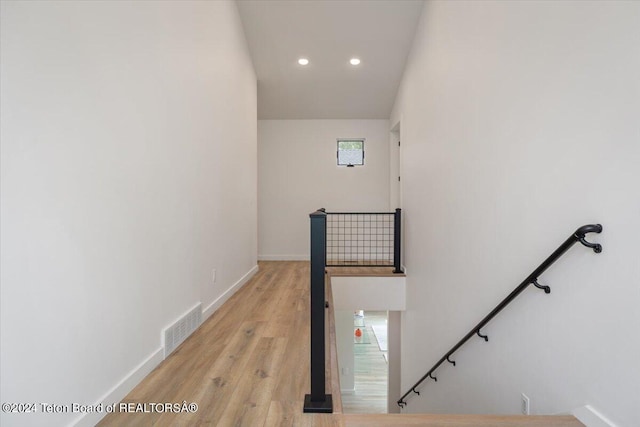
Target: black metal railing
<point>318,400</point>
<point>343,239</point>
<point>532,279</point>
<point>366,239</point>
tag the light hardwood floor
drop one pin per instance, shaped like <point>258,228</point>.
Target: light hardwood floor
<point>248,365</point>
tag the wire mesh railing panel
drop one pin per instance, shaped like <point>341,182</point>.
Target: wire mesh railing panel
<point>360,239</point>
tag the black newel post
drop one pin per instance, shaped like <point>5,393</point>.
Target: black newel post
<point>397,221</point>
<point>318,401</point>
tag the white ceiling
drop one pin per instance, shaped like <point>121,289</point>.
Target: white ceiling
<point>328,33</point>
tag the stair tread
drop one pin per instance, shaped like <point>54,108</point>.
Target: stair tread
<point>449,420</point>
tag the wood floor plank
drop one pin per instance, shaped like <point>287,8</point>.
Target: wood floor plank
<point>214,390</point>
<point>326,420</point>
<point>252,396</point>
<point>445,420</point>
<point>286,414</point>
<point>266,296</point>
<point>282,315</point>
<point>294,384</point>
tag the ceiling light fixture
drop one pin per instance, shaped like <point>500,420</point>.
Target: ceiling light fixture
<point>354,61</point>
<point>303,61</point>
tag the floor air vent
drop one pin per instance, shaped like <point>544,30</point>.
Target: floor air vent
<point>175,334</point>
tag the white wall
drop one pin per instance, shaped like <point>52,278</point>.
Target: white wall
<point>369,293</point>
<point>129,165</point>
<point>521,122</point>
<point>297,174</point>
<point>394,169</point>
<point>394,354</point>
<point>345,348</point>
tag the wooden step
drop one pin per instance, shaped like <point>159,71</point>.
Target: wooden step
<point>440,420</point>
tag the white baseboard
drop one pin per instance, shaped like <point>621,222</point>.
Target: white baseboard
<point>591,418</point>
<point>211,308</point>
<point>133,378</point>
<point>283,257</point>
<point>120,390</point>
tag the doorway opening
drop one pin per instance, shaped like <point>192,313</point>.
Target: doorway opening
<point>395,168</point>
<point>371,364</point>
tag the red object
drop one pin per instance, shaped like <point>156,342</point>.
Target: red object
<point>358,333</point>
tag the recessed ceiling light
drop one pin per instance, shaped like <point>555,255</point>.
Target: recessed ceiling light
<point>303,61</point>
<point>354,61</point>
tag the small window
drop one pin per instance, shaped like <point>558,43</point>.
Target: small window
<point>350,152</point>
